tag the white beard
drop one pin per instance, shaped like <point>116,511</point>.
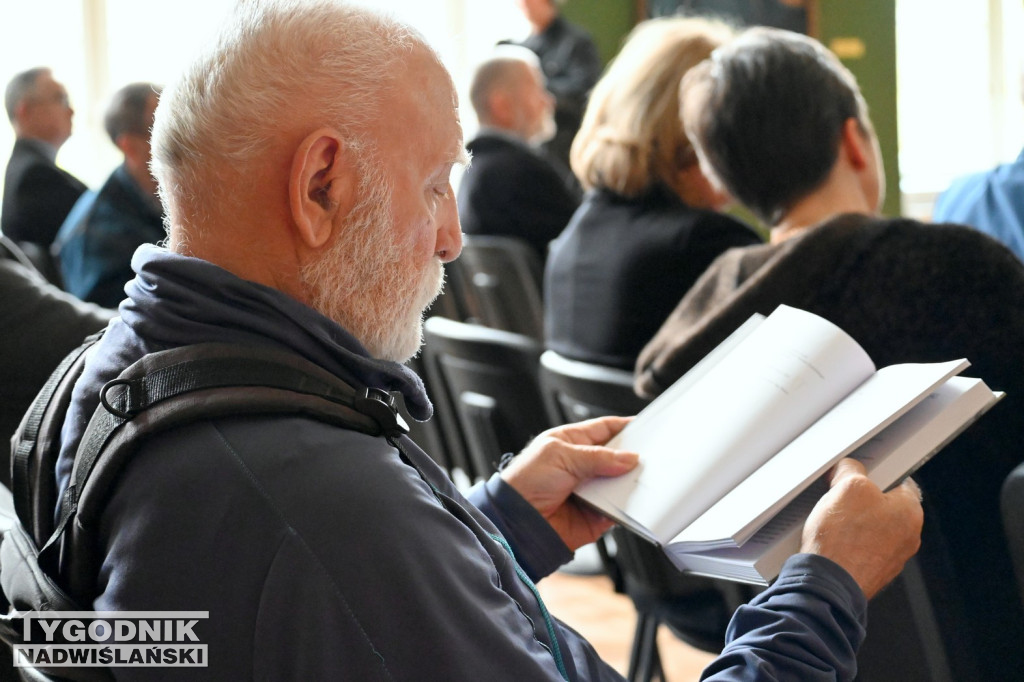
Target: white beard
<point>364,281</point>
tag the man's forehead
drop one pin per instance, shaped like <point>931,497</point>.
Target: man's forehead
<point>45,81</point>
<point>430,88</point>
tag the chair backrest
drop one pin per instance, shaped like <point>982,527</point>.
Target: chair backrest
<point>428,434</point>
<point>1011,501</point>
<point>485,390</point>
<point>904,641</point>
<point>454,301</point>
<point>499,279</point>
<point>574,391</point>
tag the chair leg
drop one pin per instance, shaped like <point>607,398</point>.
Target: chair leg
<point>644,659</point>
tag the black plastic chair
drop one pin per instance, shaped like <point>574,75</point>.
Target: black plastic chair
<point>428,435</point>
<point>454,302</point>
<point>696,609</point>
<point>498,283</point>
<point>904,642</point>
<point>485,390</point>
<point>1011,501</point>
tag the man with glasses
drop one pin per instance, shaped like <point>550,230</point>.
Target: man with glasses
<point>37,194</point>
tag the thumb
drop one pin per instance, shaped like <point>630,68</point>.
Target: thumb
<point>588,461</point>
<point>844,469</point>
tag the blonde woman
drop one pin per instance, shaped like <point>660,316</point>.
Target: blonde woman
<point>647,227</point>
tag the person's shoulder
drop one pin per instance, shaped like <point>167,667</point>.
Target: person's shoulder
<point>965,192</point>
<point>507,158</point>
<point>31,168</point>
<point>922,246</point>
<point>571,28</point>
<point>41,172</point>
<point>486,143</point>
<point>26,151</point>
<point>715,224</point>
<point>287,463</point>
<point>955,242</point>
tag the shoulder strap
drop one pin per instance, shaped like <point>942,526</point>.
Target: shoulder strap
<point>36,441</point>
<point>182,385</point>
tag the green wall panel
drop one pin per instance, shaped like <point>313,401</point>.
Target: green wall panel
<point>863,34</point>
<point>607,20</point>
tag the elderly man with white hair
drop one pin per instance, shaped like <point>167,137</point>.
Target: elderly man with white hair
<point>513,189</point>
<point>304,164</point>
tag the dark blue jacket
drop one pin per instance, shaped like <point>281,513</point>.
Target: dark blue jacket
<point>319,554</point>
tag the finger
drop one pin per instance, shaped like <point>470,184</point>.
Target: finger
<point>587,461</point>
<point>597,521</point>
<point>844,469</point>
<point>910,489</point>
<point>591,431</point>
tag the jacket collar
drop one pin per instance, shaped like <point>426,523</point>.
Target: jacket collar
<point>176,300</point>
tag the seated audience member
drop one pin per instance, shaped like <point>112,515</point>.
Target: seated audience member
<point>316,220</point>
<point>647,228</point>
<point>510,189</point>
<point>37,194</point>
<point>571,66</point>
<point>991,201</point>
<point>782,125</point>
<point>95,246</point>
<point>41,325</point>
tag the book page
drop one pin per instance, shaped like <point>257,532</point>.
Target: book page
<point>872,406</point>
<point>888,458</point>
<point>696,446</point>
<point>898,451</point>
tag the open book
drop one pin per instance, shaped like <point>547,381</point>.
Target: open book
<point>732,456</point>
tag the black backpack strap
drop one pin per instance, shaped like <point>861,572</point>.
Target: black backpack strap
<point>34,435</point>
<point>193,383</point>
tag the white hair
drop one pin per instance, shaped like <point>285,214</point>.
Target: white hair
<point>240,95</point>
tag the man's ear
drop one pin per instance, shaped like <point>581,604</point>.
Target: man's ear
<point>132,147</point>
<point>501,108</point>
<point>322,185</point>
<point>855,143</point>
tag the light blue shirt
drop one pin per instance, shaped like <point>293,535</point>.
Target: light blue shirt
<point>992,202</point>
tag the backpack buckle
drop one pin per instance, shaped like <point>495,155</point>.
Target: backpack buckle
<point>382,407</point>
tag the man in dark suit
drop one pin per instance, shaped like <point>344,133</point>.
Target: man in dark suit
<point>571,64</point>
<point>511,189</point>
<point>37,194</point>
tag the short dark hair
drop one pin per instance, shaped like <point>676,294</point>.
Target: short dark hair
<point>126,112</point>
<point>766,114</point>
<point>20,87</point>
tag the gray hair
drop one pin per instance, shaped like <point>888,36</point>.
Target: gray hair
<point>20,87</point>
<point>126,112</point>
<point>237,98</point>
<point>500,70</point>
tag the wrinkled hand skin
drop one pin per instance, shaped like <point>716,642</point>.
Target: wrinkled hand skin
<point>547,471</point>
<point>869,533</point>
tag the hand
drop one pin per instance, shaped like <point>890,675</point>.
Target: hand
<point>547,471</point>
<point>869,533</point>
